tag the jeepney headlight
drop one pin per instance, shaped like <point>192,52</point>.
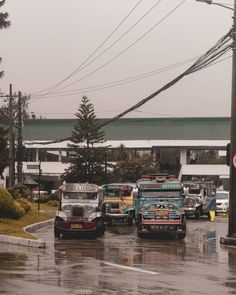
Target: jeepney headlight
<point>61,216</point>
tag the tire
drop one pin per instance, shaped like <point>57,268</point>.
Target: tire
<point>57,233</point>
<point>181,236</point>
<point>198,213</point>
<point>109,222</point>
<point>100,229</point>
<point>140,234</point>
<point>130,220</point>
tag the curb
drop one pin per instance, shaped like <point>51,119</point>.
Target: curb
<point>39,243</point>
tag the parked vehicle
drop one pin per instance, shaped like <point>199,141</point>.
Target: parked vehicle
<point>118,202</point>
<point>222,202</point>
<point>80,210</point>
<point>196,198</point>
<point>159,207</point>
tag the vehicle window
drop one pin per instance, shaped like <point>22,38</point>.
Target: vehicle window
<point>80,195</point>
<point>117,193</point>
<point>222,195</point>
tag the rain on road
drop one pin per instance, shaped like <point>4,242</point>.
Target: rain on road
<point>122,263</point>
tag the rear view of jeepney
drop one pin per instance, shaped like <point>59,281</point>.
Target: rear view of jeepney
<point>159,208</point>
<point>79,210</point>
<point>118,202</point>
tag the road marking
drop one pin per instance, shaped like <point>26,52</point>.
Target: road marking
<point>131,268</point>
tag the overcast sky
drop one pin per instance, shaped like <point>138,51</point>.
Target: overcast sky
<point>49,39</point>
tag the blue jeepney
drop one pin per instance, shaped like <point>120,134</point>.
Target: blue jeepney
<point>159,207</point>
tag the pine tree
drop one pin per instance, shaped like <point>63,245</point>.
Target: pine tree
<point>87,159</point>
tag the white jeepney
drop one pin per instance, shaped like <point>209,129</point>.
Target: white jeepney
<point>79,211</point>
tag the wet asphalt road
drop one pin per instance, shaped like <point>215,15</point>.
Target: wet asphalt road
<point>122,263</point>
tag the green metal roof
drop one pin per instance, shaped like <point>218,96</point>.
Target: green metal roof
<point>206,128</point>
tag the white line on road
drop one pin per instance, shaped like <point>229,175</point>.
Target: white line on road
<point>131,268</point>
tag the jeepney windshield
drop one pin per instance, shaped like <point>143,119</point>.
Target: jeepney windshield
<point>80,195</point>
<point>117,192</point>
<point>163,203</point>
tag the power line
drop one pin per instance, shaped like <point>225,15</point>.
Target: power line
<point>123,51</point>
<point>127,48</point>
<point>122,81</point>
<point>92,54</point>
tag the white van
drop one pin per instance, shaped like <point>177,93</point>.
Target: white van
<point>222,201</point>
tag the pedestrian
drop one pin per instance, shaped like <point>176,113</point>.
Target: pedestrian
<point>212,206</point>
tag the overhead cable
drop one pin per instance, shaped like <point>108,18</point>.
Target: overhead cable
<point>122,52</point>
<point>92,54</point>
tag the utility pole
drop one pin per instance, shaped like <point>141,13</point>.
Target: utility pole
<point>11,141</point>
<point>39,184</point>
<point>231,237</point>
<point>232,191</point>
<point>19,140</point>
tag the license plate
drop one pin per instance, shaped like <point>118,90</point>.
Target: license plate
<point>75,225</point>
<point>161,213</point>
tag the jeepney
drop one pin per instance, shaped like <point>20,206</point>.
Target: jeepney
<point>118,202</point>
<point>79,211</point>
<point>196,198</point>
<point>159,207</point>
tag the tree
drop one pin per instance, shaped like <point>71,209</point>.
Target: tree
<point>87,160</point>
<point>132,170</point>
<point>4,23</point>
<point>3,149</point>
<point>5,112</point>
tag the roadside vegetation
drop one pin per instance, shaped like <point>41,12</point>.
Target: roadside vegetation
<point>16,212</point>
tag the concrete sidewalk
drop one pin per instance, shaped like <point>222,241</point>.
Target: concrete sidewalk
<point>37,243</point>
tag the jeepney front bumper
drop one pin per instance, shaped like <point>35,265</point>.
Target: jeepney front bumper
<point>168,226</point>
<point>74,226</point>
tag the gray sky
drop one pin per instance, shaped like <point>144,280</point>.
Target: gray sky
<point>49,39</point>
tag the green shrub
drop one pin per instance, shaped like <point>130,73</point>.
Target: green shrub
<point>17,212</point>
<point>25,204</point>
<point>8,206</point>
<point>19,191</point>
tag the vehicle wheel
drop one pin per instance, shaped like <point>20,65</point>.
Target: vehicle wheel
<point>100,228</point>
<point>140,234</point>
<point>198,213</point>
<point>130,220</point>
<point>57,233</point>
<point>109,222</point>
<point>181,236</point>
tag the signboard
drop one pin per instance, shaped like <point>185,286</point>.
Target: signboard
<point>160,186</point>
<point>80,187</point>
<point>32,166</point>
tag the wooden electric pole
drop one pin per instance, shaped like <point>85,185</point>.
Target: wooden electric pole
<point>11,141</point>
<point>19,140</point>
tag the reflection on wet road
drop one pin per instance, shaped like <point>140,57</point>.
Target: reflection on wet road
<point>122,263</point>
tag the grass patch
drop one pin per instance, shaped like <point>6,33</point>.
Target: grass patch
<point>14,228</point>
<point>43,207</point>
